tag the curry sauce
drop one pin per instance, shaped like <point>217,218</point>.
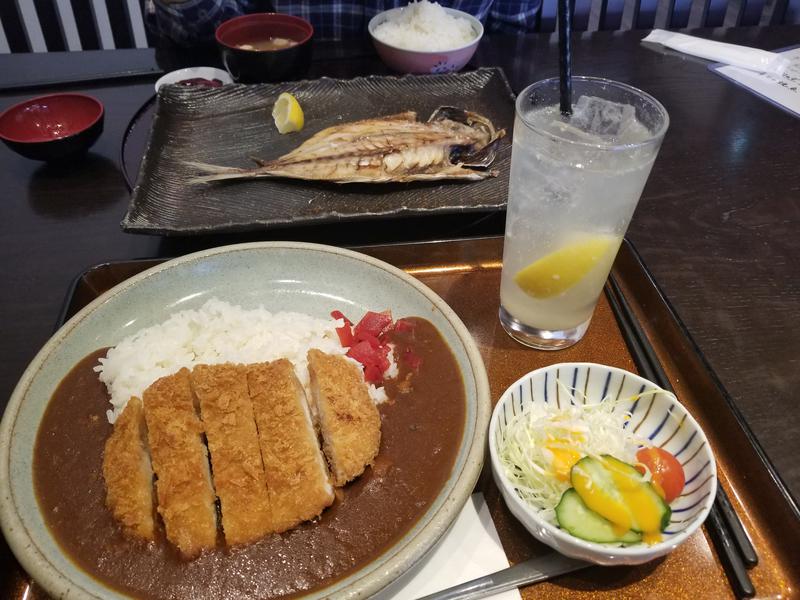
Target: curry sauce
<point>422,425</point>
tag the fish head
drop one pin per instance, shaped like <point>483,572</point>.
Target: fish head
<point>480,153</point>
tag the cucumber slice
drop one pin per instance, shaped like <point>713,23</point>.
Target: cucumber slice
<point>575,518</point>
<point>615,490</point>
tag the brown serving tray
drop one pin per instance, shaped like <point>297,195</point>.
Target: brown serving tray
<point>466,273</point>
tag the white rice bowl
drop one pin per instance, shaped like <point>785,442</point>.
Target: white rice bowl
<point>425,27</point>
<point>217,332</point>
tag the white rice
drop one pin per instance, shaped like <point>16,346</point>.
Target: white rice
<point>217,332</point>
<point>425,27</point>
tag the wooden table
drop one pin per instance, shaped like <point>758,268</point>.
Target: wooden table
<point>716,224</point>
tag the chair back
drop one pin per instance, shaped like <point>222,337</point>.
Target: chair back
<point>53,25</point>
<point>58,25</point>
<point>625,15</point>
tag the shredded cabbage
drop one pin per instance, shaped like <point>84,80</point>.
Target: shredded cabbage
<point>532,439</point>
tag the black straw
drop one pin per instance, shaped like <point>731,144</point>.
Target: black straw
<point>565,55</point>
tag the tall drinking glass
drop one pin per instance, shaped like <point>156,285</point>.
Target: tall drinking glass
<point>575,182</point>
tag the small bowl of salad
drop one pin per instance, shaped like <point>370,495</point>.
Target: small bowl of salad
<point>601,464</point>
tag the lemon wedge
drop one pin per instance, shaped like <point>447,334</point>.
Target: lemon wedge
<point>287,114</point>
<point>560,270</point>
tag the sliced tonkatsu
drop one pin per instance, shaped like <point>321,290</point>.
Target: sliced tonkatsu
<point>239,480</point>
<point>238,452</point>
<point>297,476</point>
<point>186,500</point>
<point>128,473</point>
<point>348,419</point>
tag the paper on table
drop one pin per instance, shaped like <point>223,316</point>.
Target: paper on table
<point>730,54</point>
<point>470,549</point>
<point>782,90</point>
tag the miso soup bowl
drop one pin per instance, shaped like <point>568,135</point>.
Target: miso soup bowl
<point>420,60</point>
<point>259,66</point>
<point>657,416</point>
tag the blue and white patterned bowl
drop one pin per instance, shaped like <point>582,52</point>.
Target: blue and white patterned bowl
<point>658,417</point>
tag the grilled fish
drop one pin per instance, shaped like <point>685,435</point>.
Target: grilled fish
<point>452,144</point>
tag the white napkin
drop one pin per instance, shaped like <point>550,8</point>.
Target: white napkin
<point>730,54</point>
<point>781,90</point>
<point>470,549</point>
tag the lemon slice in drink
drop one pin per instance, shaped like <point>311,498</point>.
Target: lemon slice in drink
<point>560,270</point>
<point>287,114</point>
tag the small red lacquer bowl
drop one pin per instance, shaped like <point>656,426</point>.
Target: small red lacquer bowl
<point>53,127</point>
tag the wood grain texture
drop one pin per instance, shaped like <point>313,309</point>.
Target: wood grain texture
<point>230,125</point>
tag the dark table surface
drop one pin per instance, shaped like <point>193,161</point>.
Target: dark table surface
<point>717,223</point>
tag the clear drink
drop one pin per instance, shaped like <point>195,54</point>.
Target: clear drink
<point>575,182</point>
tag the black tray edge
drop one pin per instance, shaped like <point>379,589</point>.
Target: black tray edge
<point>748,432</point>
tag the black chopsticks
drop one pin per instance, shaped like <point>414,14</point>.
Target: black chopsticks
<point>735,550</point>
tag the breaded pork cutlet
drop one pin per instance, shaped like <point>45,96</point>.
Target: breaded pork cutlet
<point>227,414</point>
<point>348,419</point>
<point>297,476</point>
<point>185,493</point>
<point>128,473</point>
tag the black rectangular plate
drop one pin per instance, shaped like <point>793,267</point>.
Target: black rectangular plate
<point>229,125</point>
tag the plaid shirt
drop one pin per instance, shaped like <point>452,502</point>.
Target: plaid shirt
<point>192,21</point>
<point>337,19</point>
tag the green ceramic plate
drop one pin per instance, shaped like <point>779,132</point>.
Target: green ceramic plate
<point>307,278</point>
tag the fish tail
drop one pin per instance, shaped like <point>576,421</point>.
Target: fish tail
<point>218,173</point>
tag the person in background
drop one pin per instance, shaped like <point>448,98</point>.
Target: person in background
<point>335,20</point>
<point>186,23</point>
<point>191,22</point>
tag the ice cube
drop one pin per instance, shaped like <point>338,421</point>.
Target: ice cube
<point>572,133</point>
<point>602,117</point>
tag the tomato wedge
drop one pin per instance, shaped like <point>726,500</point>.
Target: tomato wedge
<point>667,472</point>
